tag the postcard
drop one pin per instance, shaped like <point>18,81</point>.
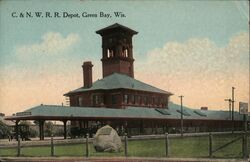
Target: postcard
<point>127,71</point>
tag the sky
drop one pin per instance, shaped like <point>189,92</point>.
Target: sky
<point>198,49</point>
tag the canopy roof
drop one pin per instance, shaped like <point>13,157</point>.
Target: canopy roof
<point>118,81</point>
<point>53,112</point>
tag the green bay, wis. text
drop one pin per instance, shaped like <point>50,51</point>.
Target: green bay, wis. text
<point>69,15</point>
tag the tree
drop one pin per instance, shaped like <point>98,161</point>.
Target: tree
<point>48,128</point>
<point>4,130</point>
<point>31,131</point>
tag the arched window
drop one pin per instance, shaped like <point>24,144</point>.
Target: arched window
<point>124,52</point>
<point>110,53</point>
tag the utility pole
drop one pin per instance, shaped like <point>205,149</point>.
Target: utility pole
<point>181,116</point>
<point>229,107</point>
<point>233,109</point>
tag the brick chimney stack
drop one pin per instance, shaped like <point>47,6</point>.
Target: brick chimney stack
<point>87,74</point>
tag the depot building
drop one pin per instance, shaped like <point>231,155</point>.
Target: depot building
<point>127,104</point>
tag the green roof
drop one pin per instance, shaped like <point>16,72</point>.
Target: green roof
<point>50,111</point>
<point>117,81</point>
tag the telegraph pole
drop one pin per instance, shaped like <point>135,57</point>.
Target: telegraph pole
<point>233,109</point>
<point>229,107</point>
<point>181,116</point>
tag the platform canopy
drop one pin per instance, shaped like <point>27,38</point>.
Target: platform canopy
<point>55,112</point>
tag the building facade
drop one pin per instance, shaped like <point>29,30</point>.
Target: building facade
<point>117,88</point>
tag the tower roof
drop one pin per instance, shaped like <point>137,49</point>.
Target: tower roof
<point>117,27</point>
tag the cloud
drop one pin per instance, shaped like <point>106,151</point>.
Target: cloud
<point>48,83</point>
<point>196,68</point>
<point>51,43</point>
<point>203,55</point>
<point>199,69</point>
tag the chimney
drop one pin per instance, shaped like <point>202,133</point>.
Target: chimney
<point>87,74</point>
<point>204,108</point>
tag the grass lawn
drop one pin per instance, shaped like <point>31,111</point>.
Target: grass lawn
<point>178,147</point>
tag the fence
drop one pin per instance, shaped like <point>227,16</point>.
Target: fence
<point>168,145</point>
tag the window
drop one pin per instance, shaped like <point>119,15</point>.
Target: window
<point>200,113</point>
<point>136,99</point>
<point>126,52</point>
<point>125,99</point>
<point>139,99</point>
<point>95,99</point>
<point>114,99</point>
<point>110,53</point>
<point>100,99</point>
<point>79,101</point>
<point>184,112</point>
<point>145,100</point>
<point>158,101</point>
<point>163,111</point>
<point>153,100</point>
<point>132,99</point>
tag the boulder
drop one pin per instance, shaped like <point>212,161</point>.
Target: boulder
<point>106,139</point>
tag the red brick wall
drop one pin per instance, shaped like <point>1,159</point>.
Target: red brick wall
<point>105,99</point>
<point>110,66</point>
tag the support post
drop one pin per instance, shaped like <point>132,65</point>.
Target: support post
<point>41,129</point>
<point>52,146</point>
<point>87,145</point>
<point>229,107</point>
<point>233,109</point>
<point>39,125</point>
<point>18,146</point>
<point>65,129</point>
<point>16,129</point>
<point>181,116</point>
<point>126,145</point>
<point>210,144</point>
<point>166,144</point>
